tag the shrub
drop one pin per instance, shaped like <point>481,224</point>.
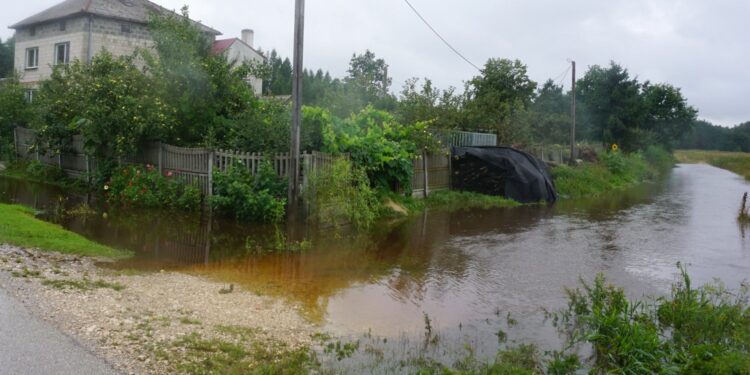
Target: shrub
<point>144,187</point>
<point>379,145</point>
<point>342,194</point>
<point>250,198</point>
<point>14,111</point>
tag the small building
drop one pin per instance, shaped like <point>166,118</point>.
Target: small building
<point>242,50</point>
<point>79,29</point>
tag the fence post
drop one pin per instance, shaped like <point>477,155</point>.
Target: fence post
<point>59,160</point>
<point>211,173</point>
<point>15,141</point>
<point>159,160</point>
<point>88,168</point>
<point>426,178</point>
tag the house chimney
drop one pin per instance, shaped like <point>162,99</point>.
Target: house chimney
<point>248,36</point>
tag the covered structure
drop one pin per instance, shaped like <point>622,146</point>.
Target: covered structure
<point>502,171</point>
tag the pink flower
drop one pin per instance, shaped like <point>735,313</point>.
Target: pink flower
<point>169,173</point>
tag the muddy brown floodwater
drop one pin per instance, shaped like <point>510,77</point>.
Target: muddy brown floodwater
<point>467,270</point>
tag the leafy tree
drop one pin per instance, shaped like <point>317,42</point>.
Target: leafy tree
<point>668,115</point>
<point>7,53</point>
<point>204,90</point>
<point>428,104</point>
<point>369,74</point>
<point>14,111</point>
<point>614,106</point>
<point>498,97</point>
<point>550,114</point>
<point>280,80</point>
<point>110,102</point>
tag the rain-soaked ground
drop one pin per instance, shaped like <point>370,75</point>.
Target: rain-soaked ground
<point>472,273</point>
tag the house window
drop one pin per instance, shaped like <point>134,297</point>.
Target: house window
<point>32,31</point>
<point>30,95</point>
<point>125,28</point>
<point>32,58</point>
<point>62,53</point>
<point>63,26</point>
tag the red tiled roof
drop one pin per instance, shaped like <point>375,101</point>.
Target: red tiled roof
<point>221,45</point>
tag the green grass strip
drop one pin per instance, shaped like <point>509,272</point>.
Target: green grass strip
<point>19,227</point>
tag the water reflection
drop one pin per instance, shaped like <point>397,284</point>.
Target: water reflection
<point>461,268</point>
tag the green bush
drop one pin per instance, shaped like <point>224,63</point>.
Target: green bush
<point>379,145</point>
<point>144,187</point>
<point>342,194</point>
<point>246,197</point>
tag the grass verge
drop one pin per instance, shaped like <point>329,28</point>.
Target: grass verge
<point>19,227</point>
<point>737,162</point>
<point>613,171</point>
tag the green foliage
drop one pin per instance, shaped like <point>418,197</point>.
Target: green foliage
<point>695,331</point>
<point>341,194</point>
<point>246,197</point>
<point>110,102</point>
<point>263,128</point>
<point>378,144</point>
<point>615,170</point>
<point>442,109</point>
<point>498,96</point>
<point>201,89</point>
<point>7,53</point>
<point>550,115</point>
<point>145,187</point>
<point>619,109</point>
<point>19,227</point>
<point>14,111</point>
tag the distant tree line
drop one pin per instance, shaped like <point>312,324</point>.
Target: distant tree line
<point>707,136</point>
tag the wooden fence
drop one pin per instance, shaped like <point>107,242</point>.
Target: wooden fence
<point>432,172</point>
<point>194,165</point>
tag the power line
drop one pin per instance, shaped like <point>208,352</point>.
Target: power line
<point>559,79</point>
<point>440,36</point>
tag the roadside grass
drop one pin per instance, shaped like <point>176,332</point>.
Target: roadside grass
<point>737,162</point>
<point>18,227</point>
<point>197,354</point>
<point>83,284</point>
<point>613,171</point>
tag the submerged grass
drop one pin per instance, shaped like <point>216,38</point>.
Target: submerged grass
<point>737,162</point>
<point>19,227</point>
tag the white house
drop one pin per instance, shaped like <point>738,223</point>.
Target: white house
<point>78,29</point>
<point>242,50</point>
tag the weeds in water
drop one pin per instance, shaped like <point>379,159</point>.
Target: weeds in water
<point>744,216</point>
<point>698,331</point>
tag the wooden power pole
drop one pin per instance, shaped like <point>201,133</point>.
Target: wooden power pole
<point>299,37</point>
<point>573,118</point>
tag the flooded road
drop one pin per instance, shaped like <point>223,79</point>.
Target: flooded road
<point>472,273</point>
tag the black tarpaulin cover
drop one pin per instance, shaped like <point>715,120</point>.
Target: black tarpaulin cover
<point>502,171</point>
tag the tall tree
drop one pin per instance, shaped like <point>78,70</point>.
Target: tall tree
<point>370,74</point>
<point>498,97</point>
<point>7,53</point>
<point>668,116</point>
<point>550,115</point>
<point>442,109</point>
<point>614,106</point>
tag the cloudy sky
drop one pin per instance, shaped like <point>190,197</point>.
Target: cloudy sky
<point>700,46</point>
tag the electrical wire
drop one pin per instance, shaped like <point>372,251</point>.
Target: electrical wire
<point>440,36</point>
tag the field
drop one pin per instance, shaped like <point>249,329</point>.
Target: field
<point>737,162</point>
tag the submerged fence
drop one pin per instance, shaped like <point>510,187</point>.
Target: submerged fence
<point>194,165</point>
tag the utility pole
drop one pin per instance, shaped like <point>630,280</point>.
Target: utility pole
<point>573,117</point>
<point>299,37</point>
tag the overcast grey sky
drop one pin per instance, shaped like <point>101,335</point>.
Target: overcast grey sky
<point>700,46</point>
